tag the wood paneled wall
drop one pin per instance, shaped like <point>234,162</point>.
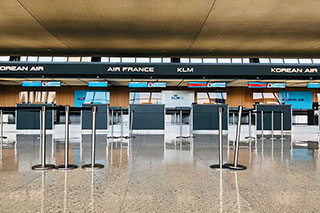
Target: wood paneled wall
<point>119,96</point>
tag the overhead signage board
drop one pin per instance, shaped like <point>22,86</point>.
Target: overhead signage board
<point>276,85</point>
<point>206,84</point>
<point>51,84</point>
<point>41,83</point>
<point>31,84</point>
<point>257,84</point>
<point>297,99</point>
<point>97,84</point>
<point>147,84</point>
<point>314,85</point>
<point>216,84</point>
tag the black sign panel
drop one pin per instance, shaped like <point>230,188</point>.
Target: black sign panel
<point>187,71</point>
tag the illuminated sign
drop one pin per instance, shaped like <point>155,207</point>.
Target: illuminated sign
<point>51,84</point>
<point>313,85</point>
<point>97,84</point>
<point>31,83</point>
<point>276,85</point>
<point>294,70</point>
<point>257,85</point>
<point>216,84</point>
<point>147,84</point>
<point>197,84</point>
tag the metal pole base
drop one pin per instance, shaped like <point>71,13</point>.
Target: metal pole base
<point>68,167</point>
<point>113,137</point>
<point>39,167</point>
<point>181,137</point>
<point>217,166</point>
<point>249,137</point>
<point>94,167</point>
<point>238,167</point>
<point>129,137</point>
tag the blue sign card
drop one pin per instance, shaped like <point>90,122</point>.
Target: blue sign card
<point>313,85</point>
<point>157,84</point>
<point>138,84</point>
<point>276,85</point>
<point>97,84</point>
<point>31,83</point>
<point>51,83</point>
<point>216,84</point>
<point>297,99</point>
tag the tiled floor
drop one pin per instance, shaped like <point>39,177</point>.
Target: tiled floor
<point>156,173</point>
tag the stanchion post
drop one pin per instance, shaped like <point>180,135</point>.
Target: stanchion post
<point>121,120</point>
<point>319,119</point>
<point>43,165</point>
<point>93,165</point>
<point>281,124</point>
<point>190,123</point>
<point>1,127</point>
<point>262,124</point>
<point>220,165</point>
<point>112,130</point>
<point>66,165</point>
<point>250,125</point>
<point>235,165</point>
<point>131,122</point>
<point>180,121</point>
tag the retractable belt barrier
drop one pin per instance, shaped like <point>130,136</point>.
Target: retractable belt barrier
<point>272,122</point>
<point>122,111</point>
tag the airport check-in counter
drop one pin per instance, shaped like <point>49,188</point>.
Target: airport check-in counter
<point>206,116</point>
<point>29,119</point>
<point>267,117</point>
<point>101,119</point>
<point>147,116</point>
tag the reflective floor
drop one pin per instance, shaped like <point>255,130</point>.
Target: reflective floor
<point>157,173</point>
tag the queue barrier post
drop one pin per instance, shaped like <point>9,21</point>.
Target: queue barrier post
<point>93,165</point>
<point>43,165</point>
<point>250,125</point>
<point>66,165</point>
<point>220,165</point>
<point>235,165</point>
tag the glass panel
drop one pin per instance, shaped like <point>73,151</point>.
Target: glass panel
<point>104,59</point>
<point>44,96</point>
<point>60,59</point>
<point>51,97</point>
<point>85,59</point>
<point>211,97</point>
<point>291,60</point>
<point>23,97</point>
<point>89,97</point>
<point>224,60</point>
<point>276,60</point>
<point>155,60</point>
<point>32,58</point>
<point>166,60</point>
<point>23,58</point>
<point>305,61</point>
<point>74,59</point>
<point>196,60</point>
<point>245,60</point>
<point>142,60</point>
<point>31,96</point>
<point>38,97</point>
<point>316,61</point>
<point>184,60</point>
<point>115,60</point>
<point>4,58</point>
<point>128,60</point>
<point>264,60</point>
<point>145,97</point>
<point>45,58</point>
<point>266,97</point>
<point>236,60</point>
<point>209,60</point>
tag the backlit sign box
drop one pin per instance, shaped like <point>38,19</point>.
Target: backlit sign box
<point>313,85</point>
<point>276,85</point>
<point>157,84</point>
<point>257,85</point>
<point>216,84</point>
<point>97,84</point>
<point>31,84</point>
<point>147,84</point>
<point>51,84</point>
<point>197,84</point>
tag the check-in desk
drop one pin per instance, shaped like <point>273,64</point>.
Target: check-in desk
<point>101,117</point>
<point>275,111</point>
<point>206,116</point>
<point>147,116</point>
<point>29,119</point>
